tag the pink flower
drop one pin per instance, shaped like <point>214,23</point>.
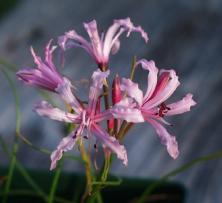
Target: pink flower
<point>87,118</point>
<point>45,75</point>
<point>151,107</point>
<point>100,47</point>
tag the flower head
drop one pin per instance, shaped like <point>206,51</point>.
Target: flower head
<point>45,75</point>
<point>151,107</point>
<point>87,119</point>
<point>100,47</point>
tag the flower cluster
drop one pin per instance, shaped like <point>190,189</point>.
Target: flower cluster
<point>129,104</point>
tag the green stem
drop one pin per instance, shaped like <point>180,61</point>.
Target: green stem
<point>10,172</point>
<point>126,130</point>
<point>99,198</point>
<point>183,168</point>
<point>103,177</point>
<point>23,172</point>
<point>55,183</point>
<point>121,130</point>
<point>89,176</point>
<point>30,181</point>
<point>133,68</point>
<point>106,168</point>
<point>111,183</point>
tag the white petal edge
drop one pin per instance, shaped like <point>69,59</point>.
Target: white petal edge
<point>110,142</point>
<point>66,144</point>
<point>165,138</point>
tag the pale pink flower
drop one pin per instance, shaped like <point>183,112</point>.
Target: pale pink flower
<point>151,107</point>
<point>87,118</point>
<point>100,47</point>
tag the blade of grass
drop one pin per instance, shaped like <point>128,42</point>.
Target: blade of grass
<point>182,168</point>
<point>45,151</point>
<point>15,144</point>
<point>16,100</point>
<point>24,173</point>
<point>110,183</point>
<point>7,64</point>
<point>55,183</point>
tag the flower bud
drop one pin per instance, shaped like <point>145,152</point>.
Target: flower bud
<point>111,123</point>
<point>116,92</point>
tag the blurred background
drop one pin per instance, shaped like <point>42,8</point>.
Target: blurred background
<point>185,35</point>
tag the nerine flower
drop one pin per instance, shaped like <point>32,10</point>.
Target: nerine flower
<point>100,47</point>
<point>87,118</point>
<point>45,75</point>
<point>151,107</point>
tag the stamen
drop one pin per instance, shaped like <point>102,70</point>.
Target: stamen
<point>85,120</point>
<point>162,110</point>
<point>75,135</point>
<point>85,137</point>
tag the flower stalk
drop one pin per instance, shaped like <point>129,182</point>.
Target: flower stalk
<point>88,172</point>
<point>130,105</point>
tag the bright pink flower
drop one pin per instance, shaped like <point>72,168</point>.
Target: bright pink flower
<point>87,119</point>
<point>45,75</point>
<point>150,107</point>
<point>100,47</point>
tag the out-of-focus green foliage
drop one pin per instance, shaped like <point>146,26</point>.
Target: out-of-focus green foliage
<point>6,6</point>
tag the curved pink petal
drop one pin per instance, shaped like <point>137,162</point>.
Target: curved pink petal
<point>181,106</point>
<point>47,110</point>
<point>110,142</point>
<point>64,90</point>
<point>164,93</point>
<point>161,83</point>
<point>127,110</point>
<point>152,77</point>
<point>73,39</point>
<point>98,79</point>
<point>34,77</point>
<point>114,32</point>
<point>105,115</point>
<point>37,59</point>
<point>66,144</point>
<point>166,139</point>
<point>116,46</point>
<point>92,31</point>
<point>129,27</point>
<point>132,90</point>
<point>48,55</point>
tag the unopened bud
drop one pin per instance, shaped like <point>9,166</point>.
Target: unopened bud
<point>116,92</point>
<point>111,123</point>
